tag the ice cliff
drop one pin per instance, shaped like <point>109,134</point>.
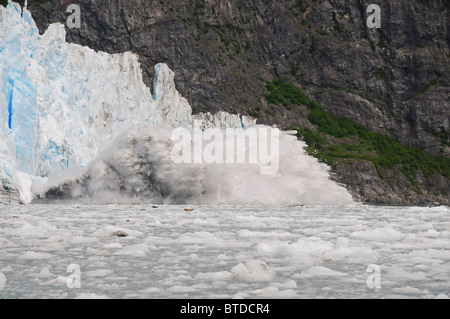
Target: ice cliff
<point>60,102</point>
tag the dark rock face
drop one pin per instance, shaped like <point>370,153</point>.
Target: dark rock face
<point>364,182</point>
<point>9,195</point>
<point>393,80</point>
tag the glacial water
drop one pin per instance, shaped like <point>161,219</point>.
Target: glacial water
<point>281,252</point>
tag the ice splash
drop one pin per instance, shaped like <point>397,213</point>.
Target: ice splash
<point>138,167</point>
<point>61,104</point>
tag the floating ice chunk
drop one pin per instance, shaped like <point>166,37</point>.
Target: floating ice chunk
<point>214,276</point>
<point>113,246</point>
<point>36,255</point>
<point>444,234</point>
<point>267,291</point>
<point>287,294</point>
<point>344,249</point>
<point>407,290</point>
<point>342,242</point>
<point>430,233</point>
<point>400,273</point>
<point>288,284</point>
<point>59,280</point>
<point>424,226</point>
<point>378,234</point>
<point>253,270</point>
<point>431,254</point>
<point>321,271</point>
<point>45,272</point>
<point>151,290</point>
<point>313,246</point>
<point>247,233</point>
<point>137,250</point>
<point>42,228</point>
<point>439,209</point>
<point>304,261</point>
<point>98,273</point>
<point>83,241</point>
<point>181,289</point>
<point>6,269</point>
<point>182,277</point>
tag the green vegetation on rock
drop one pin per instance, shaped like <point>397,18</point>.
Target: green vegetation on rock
<point>338,139</point>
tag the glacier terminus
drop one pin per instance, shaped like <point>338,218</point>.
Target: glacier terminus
<point>63,104</point>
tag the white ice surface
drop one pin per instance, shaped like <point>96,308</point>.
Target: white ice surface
<point>224,251</point>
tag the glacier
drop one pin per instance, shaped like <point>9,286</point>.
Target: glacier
<point>62,104</point>
<point>56,90</point>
